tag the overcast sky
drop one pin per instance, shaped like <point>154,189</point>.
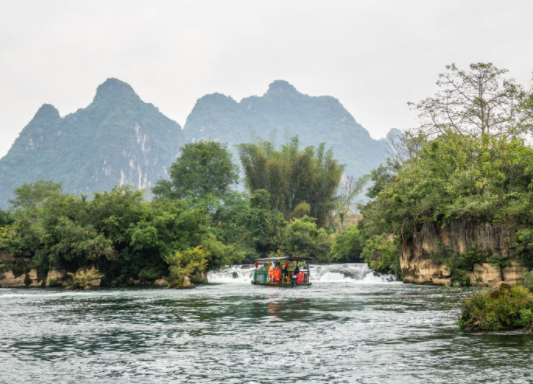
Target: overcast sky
<point>374,56</point>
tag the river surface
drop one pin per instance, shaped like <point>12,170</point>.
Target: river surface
<point>349,327</point>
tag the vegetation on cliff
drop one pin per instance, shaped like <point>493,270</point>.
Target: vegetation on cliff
<point>469,159</point>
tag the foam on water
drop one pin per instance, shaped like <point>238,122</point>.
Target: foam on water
<point>358,273</point>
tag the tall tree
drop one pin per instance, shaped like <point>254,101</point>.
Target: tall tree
<point>204,168</point>
<point>479,101</point>
<point>293,176</point>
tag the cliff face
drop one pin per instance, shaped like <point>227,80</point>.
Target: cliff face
<point>459,236</point>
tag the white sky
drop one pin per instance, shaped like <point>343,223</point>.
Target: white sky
<point>373,56</point>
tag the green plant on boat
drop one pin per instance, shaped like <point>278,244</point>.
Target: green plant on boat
<point>83,279</point>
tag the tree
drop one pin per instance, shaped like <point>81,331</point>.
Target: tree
<point>31,195</point>
<point>303,238</point>
<point>348,246</point>
<point>265,225</point>
<point>204,167</point>
<point>479,101</point>
<point>293,176</point>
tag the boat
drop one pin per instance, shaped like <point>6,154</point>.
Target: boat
<point>288,280</point>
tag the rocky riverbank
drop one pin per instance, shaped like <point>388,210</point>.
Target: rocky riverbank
<point>459,236</point>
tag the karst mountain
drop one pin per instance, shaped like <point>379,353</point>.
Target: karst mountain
<point>119,139</point>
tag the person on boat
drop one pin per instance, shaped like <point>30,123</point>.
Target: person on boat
<point>277,273</point>
<point>285,273</point>
<point>271,273</point>
<point>295,273</point>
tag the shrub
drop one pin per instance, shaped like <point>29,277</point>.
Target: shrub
<point>505,307</point>
<point>52,283</point>
<point>82,279</point>
<point>190,262</point>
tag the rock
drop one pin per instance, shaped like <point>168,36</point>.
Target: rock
<point>187,282</point>
<point>459,236</point>
<point>246,266</point>
<point>10,281</point>
<point>95,283</point>
<point>28,279</point>
<point>57,276</point>
<point>161,283</point>
<point>234,275</point>
<point>485,274</point>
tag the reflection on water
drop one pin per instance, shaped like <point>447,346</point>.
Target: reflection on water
<point>332,332</point>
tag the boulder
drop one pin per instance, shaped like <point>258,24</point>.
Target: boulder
<point>187,282</point>
<point>161,283</point>
<point>10,281</point>
<point>57,276</point>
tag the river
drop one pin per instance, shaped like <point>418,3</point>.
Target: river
<point>349,327</point>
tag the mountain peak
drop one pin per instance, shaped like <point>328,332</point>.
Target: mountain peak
<point>47,111</point>
<point>281,86</point>
<point>114,89</point>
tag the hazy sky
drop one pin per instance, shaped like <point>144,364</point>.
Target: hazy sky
<point>373,56</point>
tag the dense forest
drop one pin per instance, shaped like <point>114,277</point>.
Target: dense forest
<point>195,223</point>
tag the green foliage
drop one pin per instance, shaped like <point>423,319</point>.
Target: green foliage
<point>265,225</point>
<point>302,237</point>
<point>348,246</point>
<point>188,263</point>
<point>527,280</point>
<point>52,283</point>
<point>292,176</point>
<point>219,255</point>
<point>381,253</point>
<point>118,232</point>
<point>6,218</point>
<point>458,265</point>
<point>32,195</point>
<point>524,246</point>
<point>204,168</point>
<point>83,278</point>
<point>505,307</point>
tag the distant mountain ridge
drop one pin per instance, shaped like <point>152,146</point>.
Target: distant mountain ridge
<point>117,139</point>
<point>282,109</point>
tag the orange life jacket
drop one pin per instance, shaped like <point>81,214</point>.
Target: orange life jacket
<point>277,274</point>
<point>271,272</point>
<point>300,278</point>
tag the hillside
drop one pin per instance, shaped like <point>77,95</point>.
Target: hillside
<point>117,139</point>
<point>283,111</point>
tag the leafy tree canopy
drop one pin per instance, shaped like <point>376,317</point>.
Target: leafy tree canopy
<point>204,168</point>
<point>293,176</point>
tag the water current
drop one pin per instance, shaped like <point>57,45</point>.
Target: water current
<point>349,327</point>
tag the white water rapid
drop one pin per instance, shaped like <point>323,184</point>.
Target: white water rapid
<point>332,273</point>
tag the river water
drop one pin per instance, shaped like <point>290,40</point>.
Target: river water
<point>349,327</point>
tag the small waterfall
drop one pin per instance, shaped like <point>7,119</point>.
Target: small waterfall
<point>352,273</point>
<point>331,273</point>
<point>234,274</point>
